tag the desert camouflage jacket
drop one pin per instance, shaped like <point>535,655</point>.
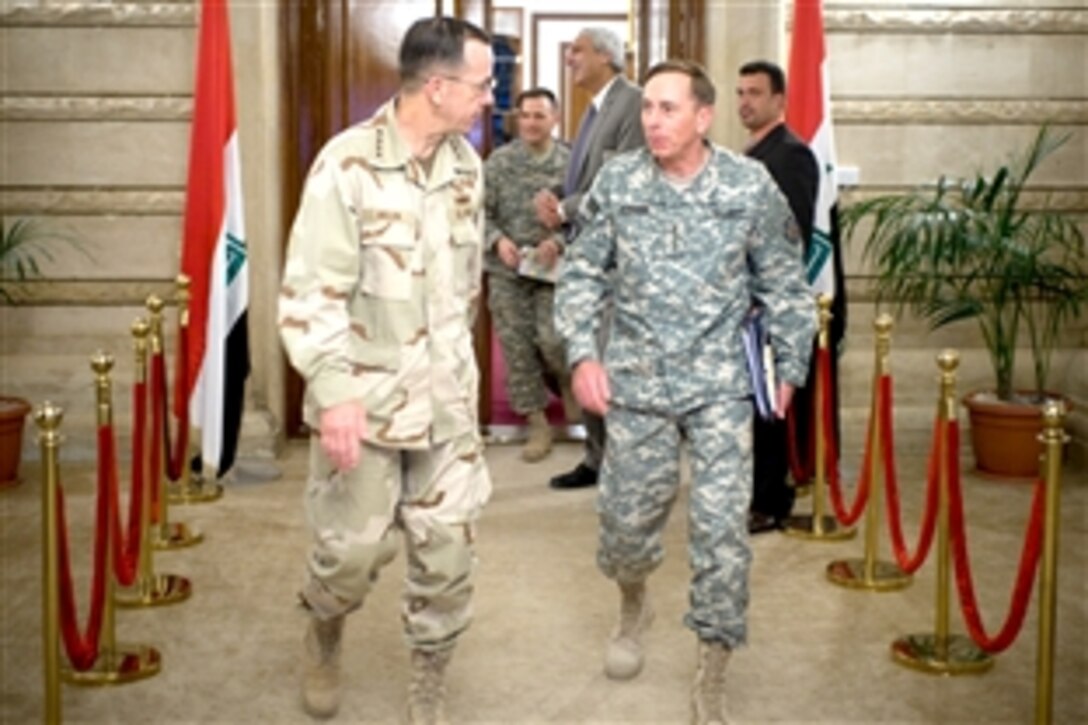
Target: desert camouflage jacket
<point>381,284</point>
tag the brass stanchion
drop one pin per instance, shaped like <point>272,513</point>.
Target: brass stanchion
<point>1053,438</point>
<point>869,572</point>
<point>150,589</point>
<point>191,487</point>
<point>115,664</point>
<point>165,535</point>
<point>48,418</point>
<point>817,525</point>
<point>943,653</point>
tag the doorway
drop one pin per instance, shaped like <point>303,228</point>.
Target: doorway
<point>341,65</point>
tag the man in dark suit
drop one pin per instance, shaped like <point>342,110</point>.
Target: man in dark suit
<point>610,125</point>
<point>761,104</point>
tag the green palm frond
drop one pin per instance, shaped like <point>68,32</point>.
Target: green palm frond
<point>970,249</point>
<point>27,246</point>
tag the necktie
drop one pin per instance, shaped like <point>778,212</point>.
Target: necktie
<point>578,153</point>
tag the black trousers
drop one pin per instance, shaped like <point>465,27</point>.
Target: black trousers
<point>771,494</point>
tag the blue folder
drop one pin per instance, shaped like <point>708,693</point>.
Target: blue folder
<point>759,358</point>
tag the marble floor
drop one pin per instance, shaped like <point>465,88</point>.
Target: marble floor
<point>818,653</point>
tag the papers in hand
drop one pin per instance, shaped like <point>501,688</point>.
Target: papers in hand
<point>530,266</point>
<point>759,357</point>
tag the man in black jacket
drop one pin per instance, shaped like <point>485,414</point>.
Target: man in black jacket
<point>761,104</point>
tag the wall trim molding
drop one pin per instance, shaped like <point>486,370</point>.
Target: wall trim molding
<point>95,108</point>
<point>58,201</point>
<point>861,110</point>
<point>90,292</point>
<point>955,20</point>
<point>100,15</point>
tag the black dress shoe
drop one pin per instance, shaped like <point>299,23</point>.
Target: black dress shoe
<point>762,523</point>
<point>580,477</point>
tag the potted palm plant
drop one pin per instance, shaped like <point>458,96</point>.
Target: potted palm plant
<point>976,249</point>
<point>25,246</point>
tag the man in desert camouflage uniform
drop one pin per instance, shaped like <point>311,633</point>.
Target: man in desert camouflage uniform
<point>380,289</point>
<point>685,236</point>
<point>522,306</point>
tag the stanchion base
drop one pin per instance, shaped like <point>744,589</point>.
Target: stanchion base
<point>127,663</point>
<point>804,527</point>
<point>885,576</point>
<point>156,591</point>
<point>196,491</point>
<point>174,535</point>
<point>960,656</point>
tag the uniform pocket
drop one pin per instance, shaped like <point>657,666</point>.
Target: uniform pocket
<point>465,242</point>
<point>387,249</point>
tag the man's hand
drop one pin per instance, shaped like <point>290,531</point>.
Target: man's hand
<point>547,253</point>
<point>784,398</point>
<point>343,426</point>
<point>508,252</point>
<point>590,386</point>
<point>546,205</point>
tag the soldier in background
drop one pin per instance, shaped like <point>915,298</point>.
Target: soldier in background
<point>684,236</point>
<point>521,258</point>
<point>382,279</point>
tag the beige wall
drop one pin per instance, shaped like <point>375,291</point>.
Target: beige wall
<point>94,115</point>
<point>95,102</point>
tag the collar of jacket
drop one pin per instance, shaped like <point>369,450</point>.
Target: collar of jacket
<point>453,157</point>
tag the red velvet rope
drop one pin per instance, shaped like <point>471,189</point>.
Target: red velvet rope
<point>910,562</point>
<point>831,460</point>
<point>1029,559</point>
<point>175,452</point>
<point>82,648</point>
<point>126,549</point>
<point>182,384</point>
<point>124,569</point>
<point>158,422</point>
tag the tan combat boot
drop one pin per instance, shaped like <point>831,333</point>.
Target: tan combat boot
<point>539,444</point>
<point>708,692</point>
<point>426,693</point>
<point>321,668</point>
<point>623,658</point>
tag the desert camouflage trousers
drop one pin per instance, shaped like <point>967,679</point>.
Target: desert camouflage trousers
<point>521,310</point>
<point>639,483</point>
<point>429,498</point>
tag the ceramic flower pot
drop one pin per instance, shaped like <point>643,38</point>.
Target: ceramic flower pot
<point>1005,435</point>
<point>13,412</point>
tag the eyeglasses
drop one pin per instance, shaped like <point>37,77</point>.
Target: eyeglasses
<point>485,86</point>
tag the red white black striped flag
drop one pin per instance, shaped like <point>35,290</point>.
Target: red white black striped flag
<point>214,254</point>
<point>808,113</point>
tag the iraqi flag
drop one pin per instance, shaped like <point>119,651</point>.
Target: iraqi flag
<point>808,113</point>
<point>213,252</point>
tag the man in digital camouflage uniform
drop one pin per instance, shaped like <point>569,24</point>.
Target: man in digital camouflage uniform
<point>522,306</point>
<point>685,236</point>
<point>379,294</point>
